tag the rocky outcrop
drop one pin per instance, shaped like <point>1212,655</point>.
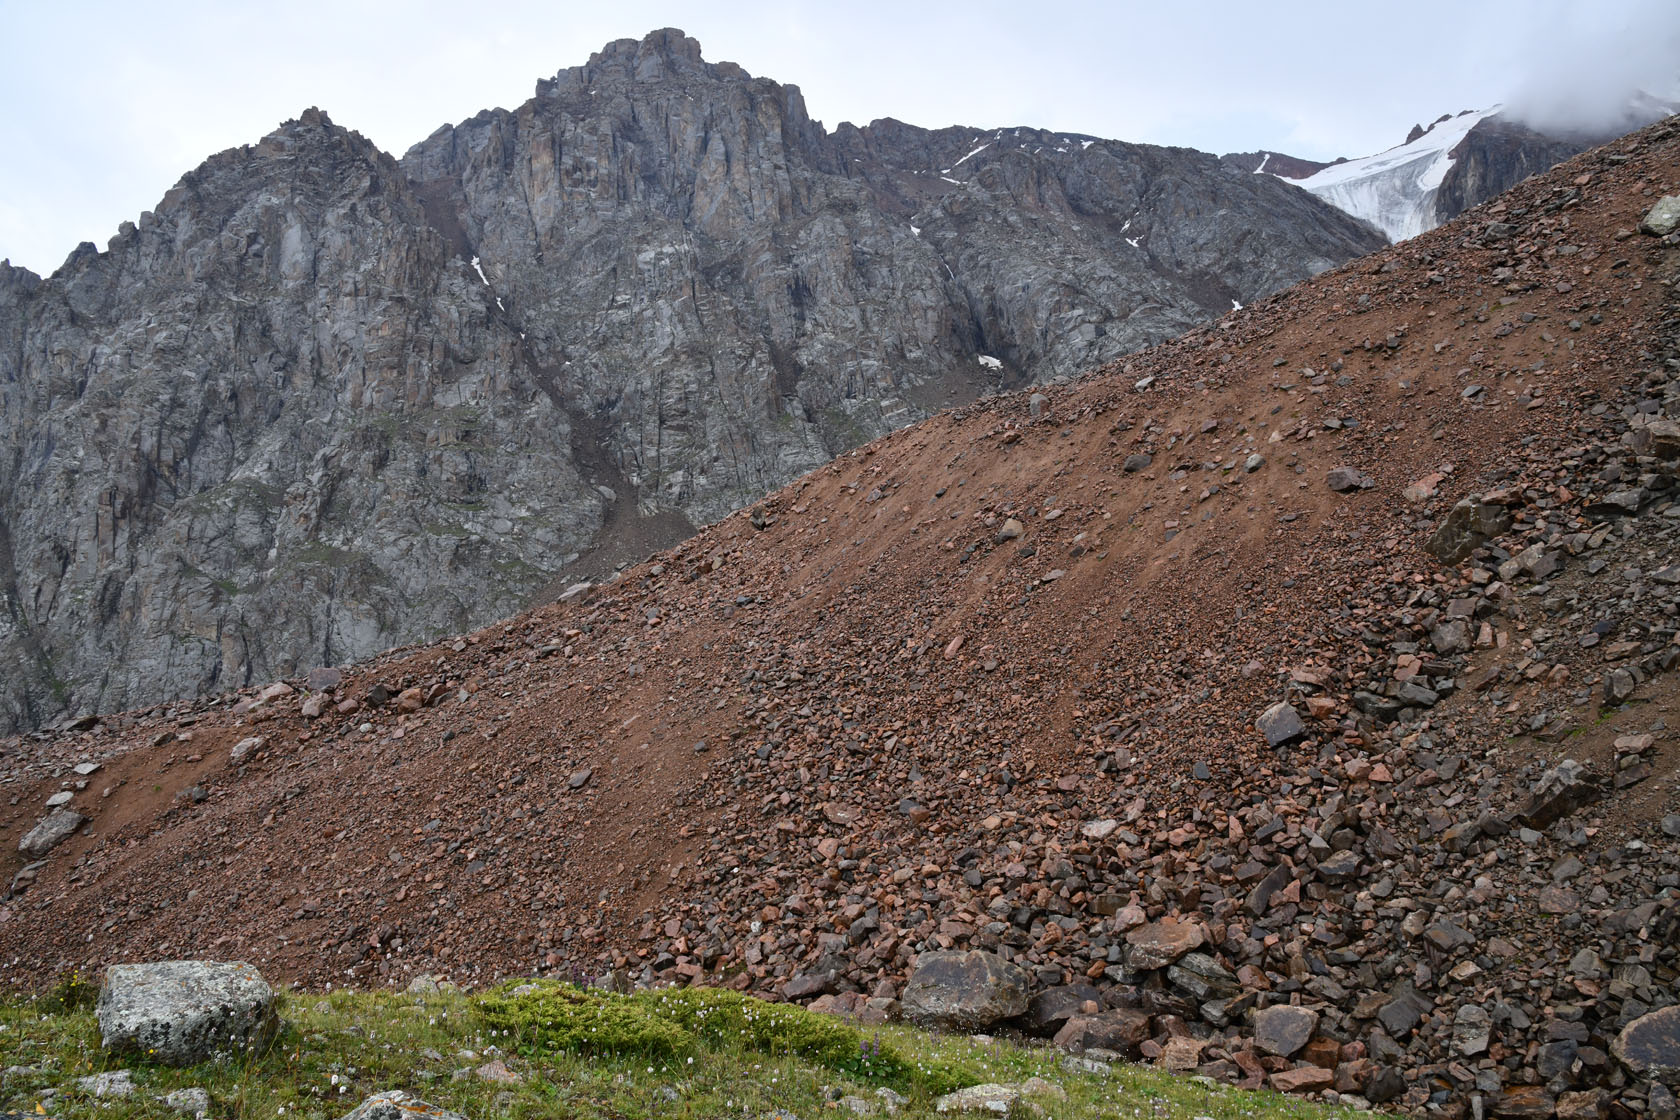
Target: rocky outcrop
<point>319,402</point>
<point>1274,163</point>
<point>1494,156</point>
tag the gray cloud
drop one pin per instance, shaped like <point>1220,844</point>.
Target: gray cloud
<point>1584,70</point>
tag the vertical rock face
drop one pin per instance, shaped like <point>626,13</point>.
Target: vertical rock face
<point>320,401</point>
<point>1494,156</point>
<point>277,423</point>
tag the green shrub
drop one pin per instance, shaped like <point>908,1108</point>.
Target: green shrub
<point>724,1019</point>
<point>557,1017</point>
<point>670,1022</point>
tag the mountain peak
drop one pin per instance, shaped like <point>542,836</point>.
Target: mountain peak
<point>665,53</point>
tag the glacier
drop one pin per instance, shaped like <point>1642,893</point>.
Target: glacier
<point>1395,190</point>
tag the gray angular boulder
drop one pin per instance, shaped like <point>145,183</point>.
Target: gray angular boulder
<point>964,991</point>
<point>1283,1030</point>
<point>398,1105</point>
<point>1344,479</point>
<point>180,1013</point>
<point>1662,439</point>
<point>1663,218</point>
<point>55,828</point>
<point>1280,724</point>
<point>1469,525</point>
<point>1120,1029</point>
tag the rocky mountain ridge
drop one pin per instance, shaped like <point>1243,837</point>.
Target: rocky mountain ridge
<point>321,401</point>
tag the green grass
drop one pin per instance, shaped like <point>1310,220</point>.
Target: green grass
<point>662,1054</point>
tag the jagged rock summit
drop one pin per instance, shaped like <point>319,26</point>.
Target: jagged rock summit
<point>321,401</point>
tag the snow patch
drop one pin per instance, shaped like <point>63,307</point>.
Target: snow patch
<point>969,156</point>
<point>1083,144</point>
<point>480,271</point>
<point>915,231</point>
<point>1236,305</point>
<point>1264,160</point>
<point>1132,241</point>
<point>990,362</point>
<point>948,179</point>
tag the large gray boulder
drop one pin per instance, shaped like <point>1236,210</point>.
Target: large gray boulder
<point>398,1105</point>
<point>55,828</point>
<point>180,1013</point>
<point>964,991</point>
<point>1120,1029</point>
<point>1663,218</point>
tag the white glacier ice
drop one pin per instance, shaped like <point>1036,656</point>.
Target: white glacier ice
<point>1395,190</point>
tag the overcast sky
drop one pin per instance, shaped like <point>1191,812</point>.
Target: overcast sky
<point>103,106</point>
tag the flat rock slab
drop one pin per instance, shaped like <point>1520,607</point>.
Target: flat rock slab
<point>998,1099</point>
<point>1158,944</point>
<point>115,1083</point>
<point>180,1013</point>
<point>964,991</point>
<point>398,1105</point>
<point>1650,1045</point>
<point>1307,1079</point>
<point>193,1101</point>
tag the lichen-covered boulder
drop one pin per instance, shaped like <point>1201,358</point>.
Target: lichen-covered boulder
<point>180,1013</point>
<point>964,991</point>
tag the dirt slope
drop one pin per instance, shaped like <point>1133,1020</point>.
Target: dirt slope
<point>866,719</point>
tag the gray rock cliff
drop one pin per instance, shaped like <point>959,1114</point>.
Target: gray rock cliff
<point>321,401</point>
